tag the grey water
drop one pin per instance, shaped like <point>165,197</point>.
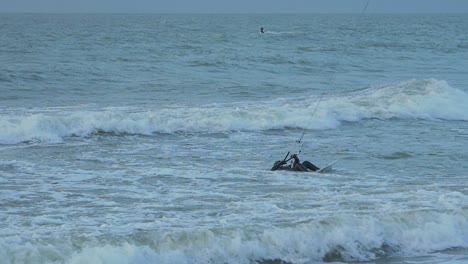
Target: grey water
<point>150,138</point>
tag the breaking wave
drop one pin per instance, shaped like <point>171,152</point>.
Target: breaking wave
<point>342,239</point>
<point>414,99</point>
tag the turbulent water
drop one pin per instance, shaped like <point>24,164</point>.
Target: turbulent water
<point>149,138</point>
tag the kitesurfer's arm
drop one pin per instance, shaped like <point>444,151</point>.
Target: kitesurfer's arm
<point>277,165</point>
<point>296,159</point>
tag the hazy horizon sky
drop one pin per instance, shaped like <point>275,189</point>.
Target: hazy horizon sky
<point>233,6</point>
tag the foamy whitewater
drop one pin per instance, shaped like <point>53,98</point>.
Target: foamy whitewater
<point>150,138</point>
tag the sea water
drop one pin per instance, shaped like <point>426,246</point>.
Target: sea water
<point>150,138</point>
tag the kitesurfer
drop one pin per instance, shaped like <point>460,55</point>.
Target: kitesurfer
<point>295,166</point>
<point>261,30</point>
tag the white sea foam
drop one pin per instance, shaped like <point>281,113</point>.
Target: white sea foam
<point>421,99</point>
<point>345,238</point>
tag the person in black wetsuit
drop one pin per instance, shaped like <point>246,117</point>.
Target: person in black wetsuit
<point>295,166</point>
<point>261,30</point>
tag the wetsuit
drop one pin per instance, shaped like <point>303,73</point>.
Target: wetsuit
<point>296,166</point>
<point>280,165</point>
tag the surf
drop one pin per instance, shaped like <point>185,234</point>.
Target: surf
<point>413,99</point>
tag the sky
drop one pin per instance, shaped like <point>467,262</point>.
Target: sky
<point>233,6</point>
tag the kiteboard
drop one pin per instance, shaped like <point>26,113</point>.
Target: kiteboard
<point>327,168</point>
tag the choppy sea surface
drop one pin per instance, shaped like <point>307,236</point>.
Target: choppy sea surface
<point>149,138</point>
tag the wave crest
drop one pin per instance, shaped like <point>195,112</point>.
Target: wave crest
<point>418,99</point>
<point>341,239</point>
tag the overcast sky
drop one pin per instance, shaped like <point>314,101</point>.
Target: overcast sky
<point>234,6</point>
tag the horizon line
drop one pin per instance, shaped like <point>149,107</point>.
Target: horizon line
<point>227,13</point>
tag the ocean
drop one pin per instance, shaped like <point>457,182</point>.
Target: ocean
<point>129,138</point>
